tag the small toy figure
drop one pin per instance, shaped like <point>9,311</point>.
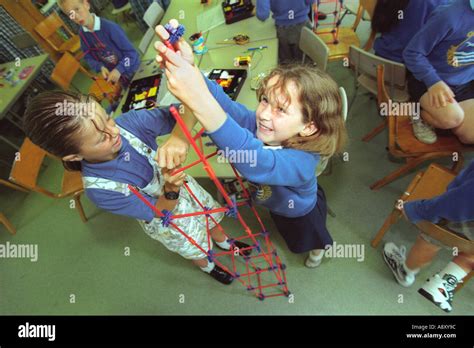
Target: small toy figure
<point>176,31</point>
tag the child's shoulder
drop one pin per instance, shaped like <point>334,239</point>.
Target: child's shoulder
<point>301,154</point>
<point>107,24</point>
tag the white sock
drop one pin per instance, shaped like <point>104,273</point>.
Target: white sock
<point>453,269</point>
<point>210,266</point>
<point>225,244</point>
<point>316,254</point>
<point>409,271</point>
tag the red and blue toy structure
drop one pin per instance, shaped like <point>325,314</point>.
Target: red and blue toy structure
<point>262,272</point>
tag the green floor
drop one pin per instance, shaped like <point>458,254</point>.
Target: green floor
<point>88,261</point>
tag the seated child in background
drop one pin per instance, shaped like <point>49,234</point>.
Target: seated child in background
<point>397,21</point>
<point>441,58</point>
<point>454,205</point>
<point>112,154</point>
<point>299,119</point>
<point>106,47</point>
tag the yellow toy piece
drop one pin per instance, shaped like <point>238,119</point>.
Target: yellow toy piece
<point>242,60</point>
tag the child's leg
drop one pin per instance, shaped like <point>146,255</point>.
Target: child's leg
<point>214,271</point>
<point>217,235</point>
<point>447,117</point>
<point>421,254</point>
<point>223,242</point>
<point>465,261</point>
<point>201,263</point>
<point>314,258</point>
<point>465,131</point>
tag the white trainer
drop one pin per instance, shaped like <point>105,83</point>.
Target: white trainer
<point>395,259</point>
<point>440,291</point>
<point>423,131</point>
<point>313,261</point>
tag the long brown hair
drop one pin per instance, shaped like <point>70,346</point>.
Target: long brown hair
<point>52,131</point>
<point>321,103</point>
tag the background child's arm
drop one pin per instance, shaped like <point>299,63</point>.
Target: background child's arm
<point>130,60</point>
<point>416,55</point>
<point>454,205</point>
<point>263,9</point>
<point>421,45</point>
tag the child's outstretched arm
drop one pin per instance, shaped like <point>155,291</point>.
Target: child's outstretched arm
<point>130,61</point>
<point>186,82</point>
<point>243,116</point>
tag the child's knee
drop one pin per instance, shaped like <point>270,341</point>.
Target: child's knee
<point>451,117</point>
<point>465,138</point>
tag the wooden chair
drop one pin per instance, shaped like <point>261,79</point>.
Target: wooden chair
<point>365,65</point>
<point>314,47</point>
<point>48,30</point>
<point>25,173</point>
<point>8,225</point>
<point>67,67</point>
<point>402,143</point>
<point>346,36</point>
<point>426,185</point>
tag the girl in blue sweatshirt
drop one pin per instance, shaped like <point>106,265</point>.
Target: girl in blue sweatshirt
<point>441,58</point>
<point>106,47</point>
<point>299,119</point>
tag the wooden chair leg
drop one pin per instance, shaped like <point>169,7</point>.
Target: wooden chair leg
<point>411,164</point>
<point>457,166</point>
<point>80,209</point>
<point>465,280</point>
<point>394,175</point>
<point>7,223</point>
<point>13,186</point>
<point>374,132</point>
<point>389,221</point>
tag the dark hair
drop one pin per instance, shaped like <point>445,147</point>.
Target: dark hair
<point>54,131</point>
<point>321,103</point>
<point>386,14</point>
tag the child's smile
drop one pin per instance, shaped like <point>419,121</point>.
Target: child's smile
<point>278,118</point>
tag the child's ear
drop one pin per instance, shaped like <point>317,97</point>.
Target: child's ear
<point>309,129</point>
<point>72,158</point>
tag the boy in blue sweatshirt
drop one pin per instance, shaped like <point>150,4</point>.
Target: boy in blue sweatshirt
<point>105,45</point>
<point>454,205</point>
<point>290,17</point>
<point>441,58</point>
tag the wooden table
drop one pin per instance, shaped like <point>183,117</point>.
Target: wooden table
<point>10,94</point>
<point>218,56</point>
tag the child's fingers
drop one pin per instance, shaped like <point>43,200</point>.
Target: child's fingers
<point>168,54</point>
<point>162,32</point>
<point>161,157</point>
<point>170,162</point>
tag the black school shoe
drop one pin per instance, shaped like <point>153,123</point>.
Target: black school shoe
<point>240,245</point>
<point>221,276</point>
